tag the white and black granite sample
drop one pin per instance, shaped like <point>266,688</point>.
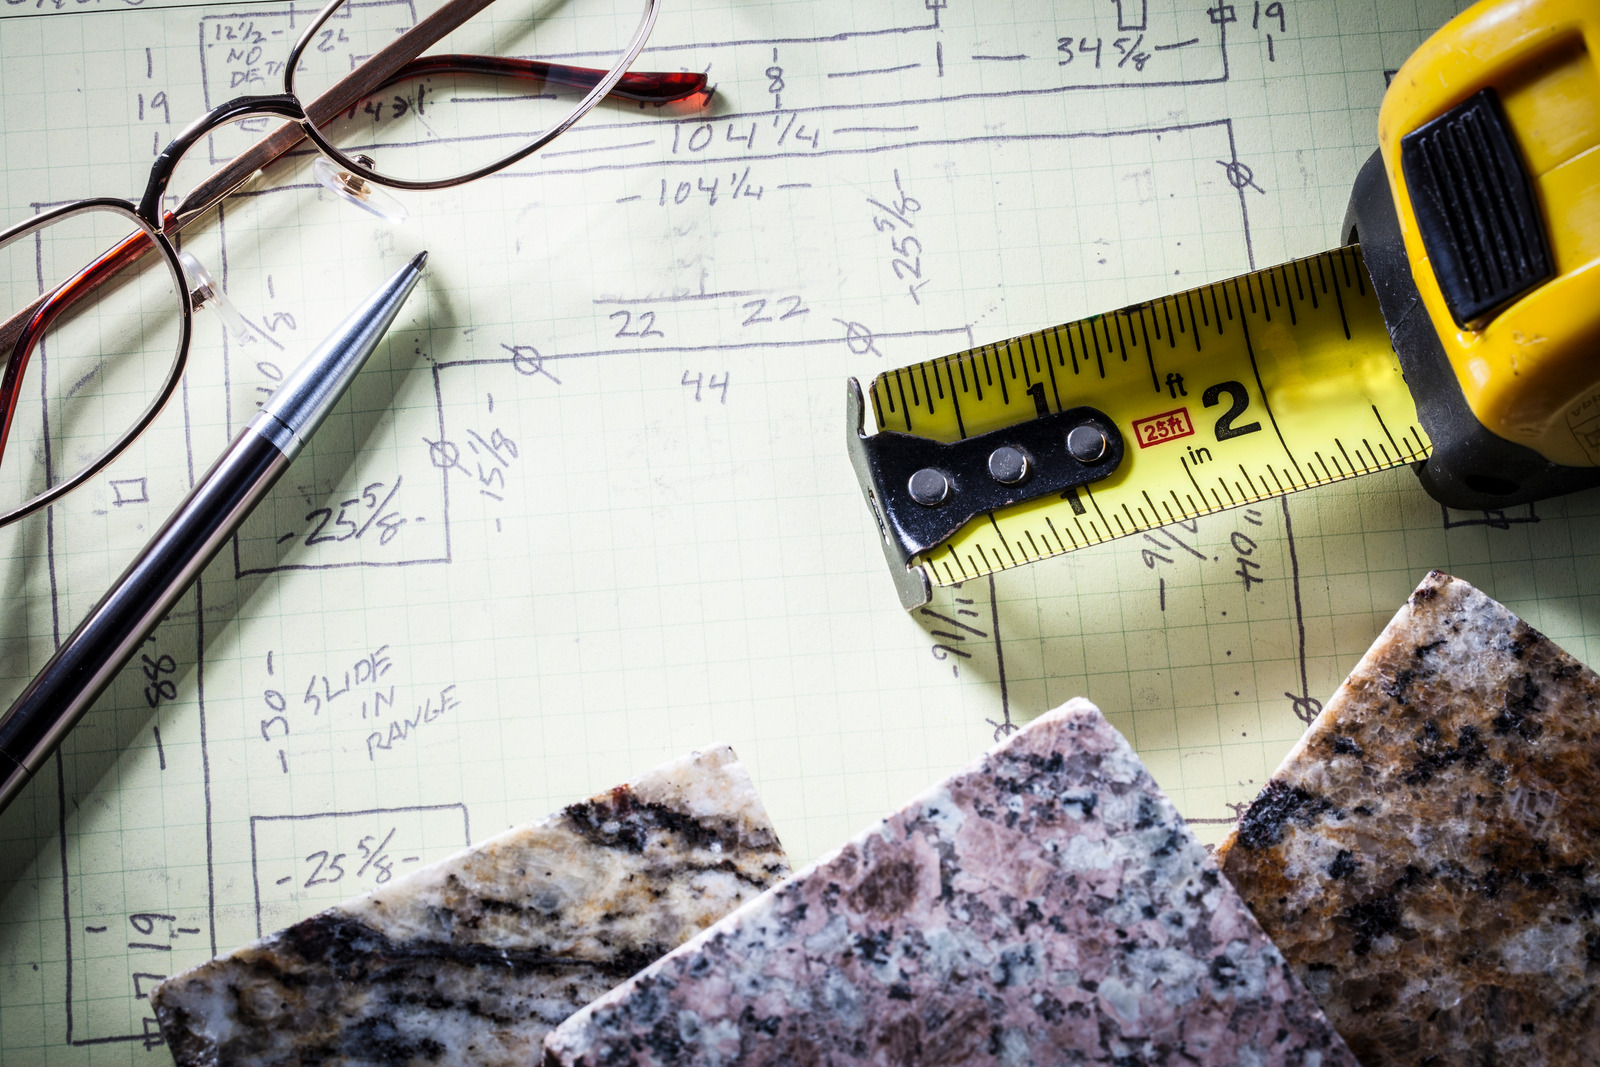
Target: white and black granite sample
<point>473,959</point>
<point>1045,906</point>
<point>1428,856</point>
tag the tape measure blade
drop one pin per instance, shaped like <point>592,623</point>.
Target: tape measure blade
<point>1227,394</point>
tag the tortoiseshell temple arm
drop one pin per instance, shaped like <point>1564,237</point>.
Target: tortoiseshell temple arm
<point>19,334</point>
<point>636,86</point>
<point>639,86</point>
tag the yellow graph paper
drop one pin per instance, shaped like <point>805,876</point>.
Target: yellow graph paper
<point>607,436</point>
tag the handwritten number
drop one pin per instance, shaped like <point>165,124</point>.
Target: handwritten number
<point>908,248</point>
<point>647,321</point>
<point>390,525</point>
<point>1273,11</point>
<point>329,863</point>
<point>159,688</point>
<point>914,268</point>
<point>317,537</point>
<point>699,380</point>
<point>154,667</point>
<point>756,316</point>
<point>342,521</point>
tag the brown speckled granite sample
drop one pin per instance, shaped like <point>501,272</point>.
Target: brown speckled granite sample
<point>1428,856</point>
<point>473,959</point>
<point>1045,906</point>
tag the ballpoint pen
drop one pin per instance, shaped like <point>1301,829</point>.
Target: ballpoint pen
<point>103,643</point>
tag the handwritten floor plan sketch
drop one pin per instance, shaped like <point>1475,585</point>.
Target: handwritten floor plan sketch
<point>590,506</point>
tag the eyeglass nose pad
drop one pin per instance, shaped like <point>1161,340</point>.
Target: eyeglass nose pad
<point>354,189</point>
<point>207,293</point>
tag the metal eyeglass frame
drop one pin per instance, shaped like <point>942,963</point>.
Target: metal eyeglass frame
<point>152,228</point>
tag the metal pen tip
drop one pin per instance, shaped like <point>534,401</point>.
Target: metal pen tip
<point>299,404</point>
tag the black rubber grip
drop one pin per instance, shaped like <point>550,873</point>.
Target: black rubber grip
<point>1475,208</point>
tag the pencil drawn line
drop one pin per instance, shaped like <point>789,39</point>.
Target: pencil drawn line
<point>879,70</point>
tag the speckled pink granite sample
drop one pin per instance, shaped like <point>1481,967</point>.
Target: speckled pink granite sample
<point>1047,905</point>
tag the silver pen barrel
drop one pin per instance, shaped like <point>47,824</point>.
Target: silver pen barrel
<point>101,646</point>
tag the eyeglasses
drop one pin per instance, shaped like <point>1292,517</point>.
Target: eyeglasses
<point>103,346</point>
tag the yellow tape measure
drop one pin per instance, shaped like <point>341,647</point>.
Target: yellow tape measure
<point>1260,385</point>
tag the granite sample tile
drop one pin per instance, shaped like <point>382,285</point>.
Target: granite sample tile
<point>1428,856</point>
<point>473,959</point>
<point>1044,906</point>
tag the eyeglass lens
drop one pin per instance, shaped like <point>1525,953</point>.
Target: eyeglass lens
<point>99,364</point>
<point>438,122</point>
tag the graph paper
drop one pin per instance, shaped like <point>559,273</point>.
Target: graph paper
<point>608,432</point>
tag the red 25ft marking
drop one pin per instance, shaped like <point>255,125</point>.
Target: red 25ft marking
<point>1167,426</point>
